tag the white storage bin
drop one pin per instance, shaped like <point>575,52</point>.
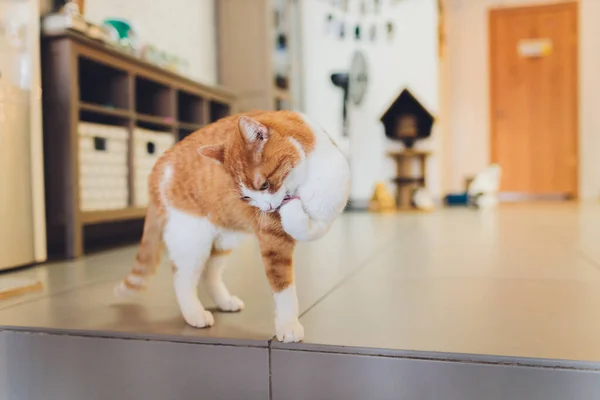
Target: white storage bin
<point>148,147</point>
<point>103,167</point>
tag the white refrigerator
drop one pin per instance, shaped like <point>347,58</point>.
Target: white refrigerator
<point>22,214</point>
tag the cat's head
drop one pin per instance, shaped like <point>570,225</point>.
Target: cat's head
<point>260,159</point>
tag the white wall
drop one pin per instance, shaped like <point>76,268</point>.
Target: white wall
<point>411,60</point>
<point>466,93</point>
<point>182,27</point>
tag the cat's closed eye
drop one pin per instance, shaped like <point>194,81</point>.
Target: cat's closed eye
<point>245,198</point>
<point>265,186</point>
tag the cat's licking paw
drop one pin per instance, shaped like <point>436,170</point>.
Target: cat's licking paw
<point>294,205</point>
<point>298,224</point>
<point>289,331</point>
<point>199,319</point>
<point>292,213</point>
<point>232,304</point>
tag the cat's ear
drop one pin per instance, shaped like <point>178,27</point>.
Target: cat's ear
<point>253,131</point>
<point>215,152</point>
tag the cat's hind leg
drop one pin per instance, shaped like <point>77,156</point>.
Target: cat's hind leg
<point>213,272</point>
<point>189,240</point>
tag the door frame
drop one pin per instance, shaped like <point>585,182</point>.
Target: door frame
<point>492,14</point>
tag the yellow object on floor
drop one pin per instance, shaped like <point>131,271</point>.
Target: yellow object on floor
<point>382,199</point>
<point>10,287</point>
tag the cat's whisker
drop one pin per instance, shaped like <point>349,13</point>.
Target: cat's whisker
<point>263,217</point>
<point>258,216</point>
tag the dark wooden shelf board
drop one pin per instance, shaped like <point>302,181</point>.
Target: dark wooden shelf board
<point>189,127</point>
<point>108,111</point>
<point>155,120</point>
<point>97,217</point>
<point>409,180</point>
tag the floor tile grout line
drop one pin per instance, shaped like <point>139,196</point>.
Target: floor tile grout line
<point>360,267</point>
<point>586,257</point>
<point>270,370</point>
<point>87,285</point>
<point>576,249</point>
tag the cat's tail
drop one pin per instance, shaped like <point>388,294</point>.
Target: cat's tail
<point>148,255</point>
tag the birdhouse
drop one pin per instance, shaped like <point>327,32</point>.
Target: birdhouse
<point>407,120</point>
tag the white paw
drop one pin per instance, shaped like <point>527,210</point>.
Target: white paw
<point>233,304</point>
<point>292,211</point>
<point>293,217</point>
<point>200,319</point>
<point>290,331</point>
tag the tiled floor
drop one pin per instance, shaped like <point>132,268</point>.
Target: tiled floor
<point>520,286</point>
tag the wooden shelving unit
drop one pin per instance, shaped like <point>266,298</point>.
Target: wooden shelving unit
<point>85,80</point>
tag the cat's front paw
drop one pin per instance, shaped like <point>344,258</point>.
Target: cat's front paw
<point>199,319</point>
<point>232,304</point>
<point>289,331</point>
<point>292,208</point>
<point>293,217</point>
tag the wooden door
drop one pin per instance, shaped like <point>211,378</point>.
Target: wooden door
<point>533,72</point>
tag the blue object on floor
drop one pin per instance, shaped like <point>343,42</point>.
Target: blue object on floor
<point>461,199</point>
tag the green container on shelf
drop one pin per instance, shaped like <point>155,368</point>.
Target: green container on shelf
<point>122,32</point>
<point>121,28</point>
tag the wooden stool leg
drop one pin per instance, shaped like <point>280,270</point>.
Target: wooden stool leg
<point>423,165</point>
<point>405,196</point>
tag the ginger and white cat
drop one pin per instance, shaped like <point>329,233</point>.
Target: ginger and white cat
<point>271,173</point>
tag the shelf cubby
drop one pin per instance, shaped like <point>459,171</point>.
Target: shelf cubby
<point>102,85</point>
<point>218,110</point>
<point>190,108</point>
<point>153,98</point>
